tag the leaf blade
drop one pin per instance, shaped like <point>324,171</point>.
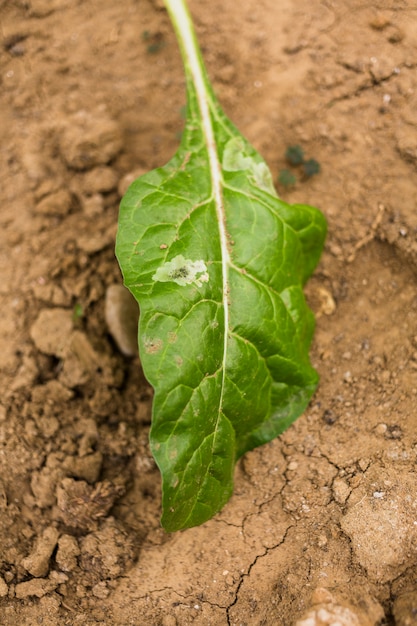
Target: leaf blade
<point>225,380</point>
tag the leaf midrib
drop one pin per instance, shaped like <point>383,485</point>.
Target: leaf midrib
<point>193,67</point>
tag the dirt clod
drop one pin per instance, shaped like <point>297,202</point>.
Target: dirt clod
<point>67,553</point>
<point>376,521</point>
<point>88,140</point>
<point>51,331</point>
<point>80,505</point>
<point>37,563</point>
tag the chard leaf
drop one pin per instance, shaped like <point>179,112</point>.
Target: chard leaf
<point>217,263</point>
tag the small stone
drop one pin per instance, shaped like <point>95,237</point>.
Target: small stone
<point>327,610</point>
<point>327,303</point>
<point>381,429</point>
<point>37,563</point>
<point>122,315</point>
<point>51,331</point>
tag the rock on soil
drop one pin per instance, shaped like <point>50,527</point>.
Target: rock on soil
<point>51,331</point>
<point>329,611</point>
<point>378,523</point>
<point>122,315</point>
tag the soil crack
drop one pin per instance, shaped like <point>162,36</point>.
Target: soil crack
<point>247,574</point>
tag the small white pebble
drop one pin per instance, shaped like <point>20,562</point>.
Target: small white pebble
<point>378,494</point>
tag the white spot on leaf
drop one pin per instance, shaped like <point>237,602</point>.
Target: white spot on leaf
<point>182,271</point>
<point>235,159</point>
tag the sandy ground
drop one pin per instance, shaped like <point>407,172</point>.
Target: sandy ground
<point>322,527</point>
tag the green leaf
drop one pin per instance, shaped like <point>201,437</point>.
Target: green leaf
<point>295,155</point>
<point>287,178</point>
<point>311,167</point>
<point>217,263</point>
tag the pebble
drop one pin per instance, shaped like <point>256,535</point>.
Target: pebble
<point>381,429</point>
<point>122,315</point>
<point>327,302</point>
<point>326,610</point>
<point>51,331</point>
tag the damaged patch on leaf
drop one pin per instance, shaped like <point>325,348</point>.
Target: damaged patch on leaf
<point>182,271</point>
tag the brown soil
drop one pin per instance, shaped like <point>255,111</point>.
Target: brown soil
<point>322,527</point>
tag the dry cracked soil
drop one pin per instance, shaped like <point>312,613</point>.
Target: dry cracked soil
<point>322,526</point>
